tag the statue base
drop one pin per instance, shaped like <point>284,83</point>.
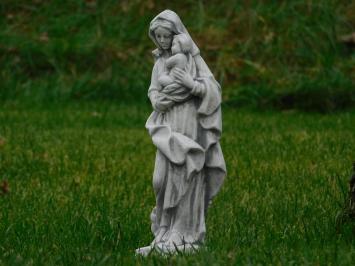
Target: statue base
<point>163,249</point>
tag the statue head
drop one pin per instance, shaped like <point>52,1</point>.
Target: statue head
<point>163,33</point>
<point>162,30</point>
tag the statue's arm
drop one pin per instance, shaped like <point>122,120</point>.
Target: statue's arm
<point>159,102</point>
<point>205,84</point>
<point>208,88</point>
<point>198,89</point>
<point>154,85</point>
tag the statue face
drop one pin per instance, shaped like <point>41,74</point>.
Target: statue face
<point>164,37</point>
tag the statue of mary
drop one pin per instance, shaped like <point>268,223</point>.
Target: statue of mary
<point>189,165</point>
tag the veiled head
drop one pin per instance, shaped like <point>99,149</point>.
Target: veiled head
<point>164,23</point>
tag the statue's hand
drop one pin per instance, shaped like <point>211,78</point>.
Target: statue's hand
<point>161,103</point>
<point>183,78</point>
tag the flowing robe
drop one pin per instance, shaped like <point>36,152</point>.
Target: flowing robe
<point>189,165</point>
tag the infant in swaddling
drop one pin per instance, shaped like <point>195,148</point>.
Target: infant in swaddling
<point>180,49</point>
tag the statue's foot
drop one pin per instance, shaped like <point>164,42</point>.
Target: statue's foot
<point>165,249</point>
<point>159,237</point>
<point>168,244</point>
<point>174,239</point>
<point>175,243</point>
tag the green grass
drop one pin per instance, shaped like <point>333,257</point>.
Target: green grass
<point>80,179</point>
<point>264,53</point>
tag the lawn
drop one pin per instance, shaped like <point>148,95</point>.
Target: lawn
<point>80,189</point>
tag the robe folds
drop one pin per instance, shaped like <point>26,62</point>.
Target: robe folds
<point>189,166</point>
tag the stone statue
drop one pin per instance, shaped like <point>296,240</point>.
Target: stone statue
<point>185,126</point>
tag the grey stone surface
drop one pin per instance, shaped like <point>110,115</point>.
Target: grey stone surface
<point>163,249</point>
<point>185,126</point>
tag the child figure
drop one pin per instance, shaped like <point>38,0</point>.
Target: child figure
<point>180,49</point>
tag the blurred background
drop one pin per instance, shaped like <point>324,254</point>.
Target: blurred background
<point>76,162</point>
<point>266,54</point>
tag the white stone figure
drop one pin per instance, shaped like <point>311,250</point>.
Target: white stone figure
<point>185,126</point>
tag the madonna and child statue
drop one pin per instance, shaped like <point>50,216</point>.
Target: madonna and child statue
<point>185,126</point>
